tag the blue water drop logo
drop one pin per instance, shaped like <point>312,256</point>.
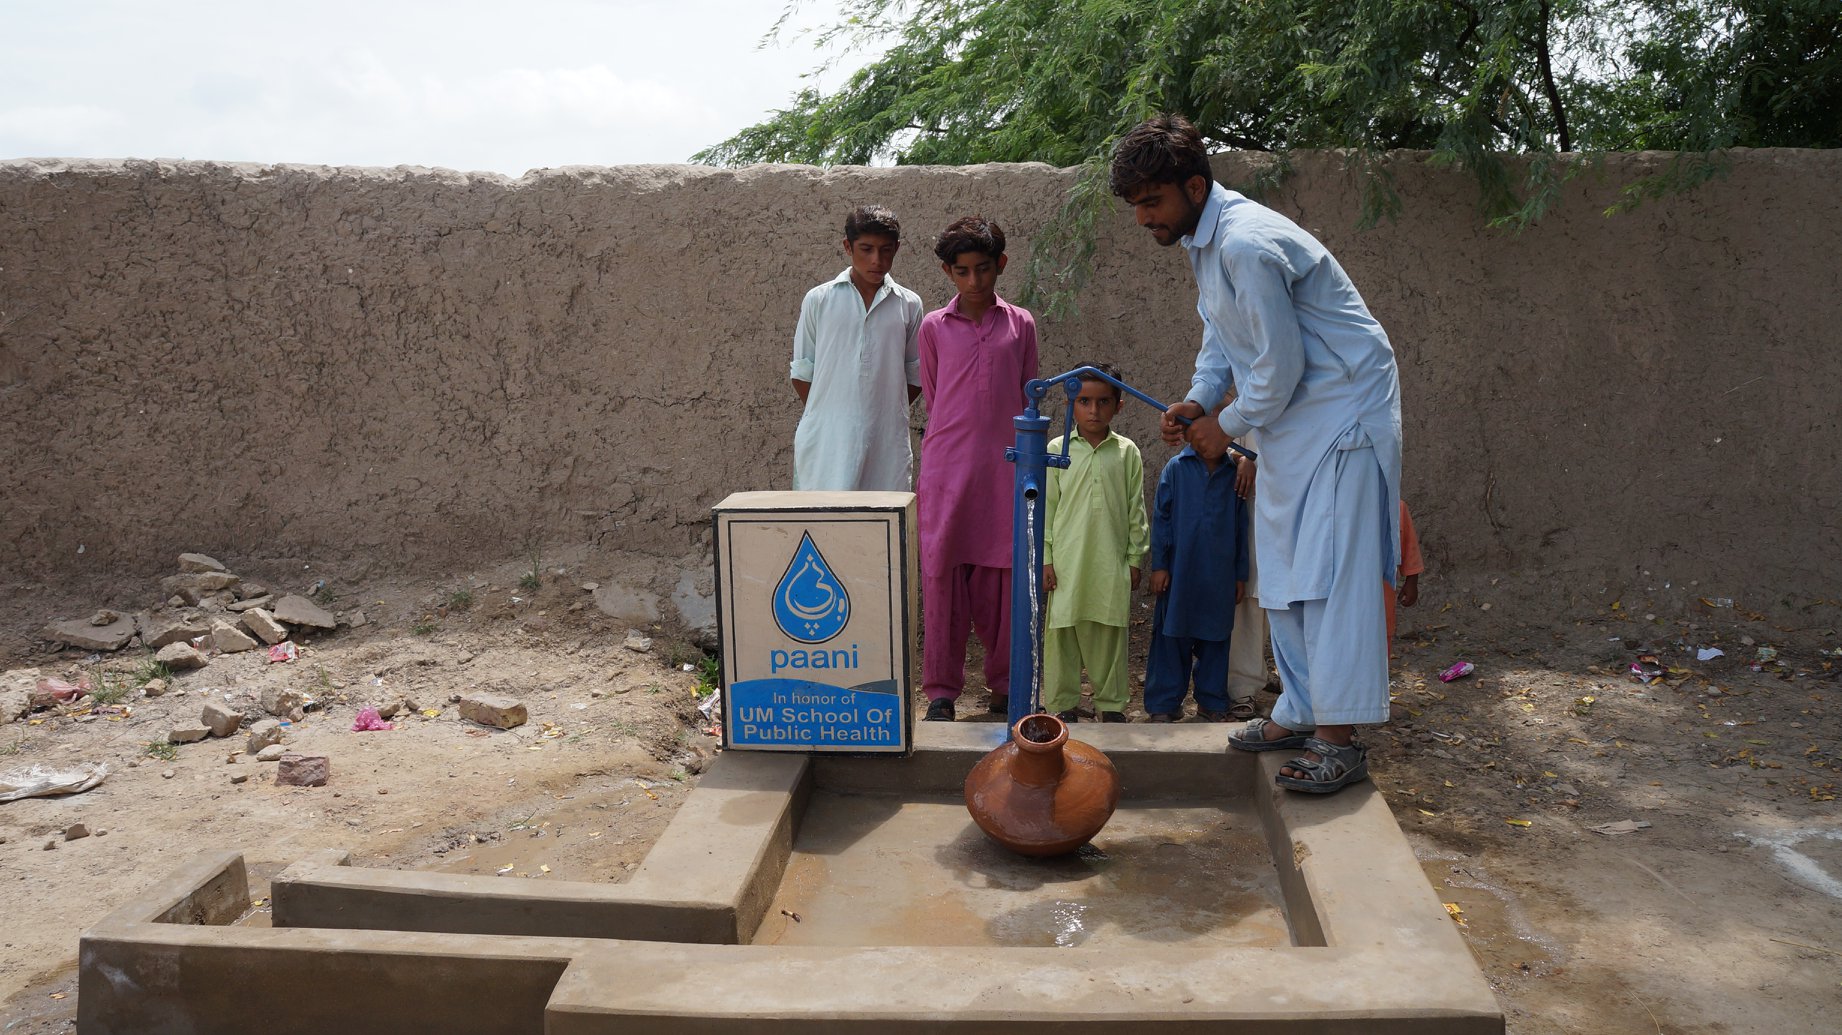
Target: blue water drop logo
<point>810,604</point>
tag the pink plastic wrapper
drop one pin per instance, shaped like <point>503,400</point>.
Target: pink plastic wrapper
<point>1459,670</point>
<point>283,651</point>
<point>52,689</point>
<point>368,720</point>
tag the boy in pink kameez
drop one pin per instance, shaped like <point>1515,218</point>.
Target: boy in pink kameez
<point>976,355</point>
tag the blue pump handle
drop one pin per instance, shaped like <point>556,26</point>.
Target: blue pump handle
<point>1071,383</point>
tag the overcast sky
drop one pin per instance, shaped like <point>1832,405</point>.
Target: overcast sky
<point>506,86</point>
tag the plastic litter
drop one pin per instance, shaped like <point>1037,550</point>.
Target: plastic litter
<point>54,690</point>
<point>283,651</point>
<point>1709,654</point>
<point>1647,669</point>
<point>1458,670</point>
<point>1623,826</point>
<point>41,781</point>
<point>368,721</point>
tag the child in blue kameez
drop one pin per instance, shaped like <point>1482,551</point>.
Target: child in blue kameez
<point>1199,573</point>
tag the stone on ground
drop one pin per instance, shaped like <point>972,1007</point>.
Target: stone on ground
<point>159,628</point>
<point>266,733</point>
<point>637,641</point>
<point>248,602</point>
<point>304,770</point>
<point>228,639</point>
<point>295,609</point>
<point>187,734</point>
<point>80,633</point>
<point>16,689</point>
<point>153,688</point>
<point>271,753</point>
<point>76,831</point>
<point>264,625</point>
<point>284,702</point>
<point>178,656</point>
<point>494,710</point>
<point>222,718</point>
<point>198,585</point>
<point>198,564</point>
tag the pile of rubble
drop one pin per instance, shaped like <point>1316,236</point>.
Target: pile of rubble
<point>207,609</point>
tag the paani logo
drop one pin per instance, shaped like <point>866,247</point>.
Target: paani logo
<point>810,604</point>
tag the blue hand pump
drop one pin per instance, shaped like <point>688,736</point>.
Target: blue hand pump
<point>1033,460</point>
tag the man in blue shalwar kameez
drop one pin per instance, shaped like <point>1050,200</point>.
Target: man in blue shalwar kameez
<point>1314,374</point>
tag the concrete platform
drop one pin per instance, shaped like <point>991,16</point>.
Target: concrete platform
<point>878,870</point>
<point>1332,927</point>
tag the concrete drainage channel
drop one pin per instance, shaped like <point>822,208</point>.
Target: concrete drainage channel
<point>796,893</point>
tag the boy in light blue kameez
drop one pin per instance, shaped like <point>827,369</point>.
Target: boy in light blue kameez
<point>856,367</point>
<point>1314,374</point>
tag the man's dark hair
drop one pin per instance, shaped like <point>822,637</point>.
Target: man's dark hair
<point>970,234</point>
<point>871,219</point>
<point>1161,149</point>
<point>1087,377</point>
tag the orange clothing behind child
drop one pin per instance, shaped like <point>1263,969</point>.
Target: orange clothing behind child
<point>1411,564</point>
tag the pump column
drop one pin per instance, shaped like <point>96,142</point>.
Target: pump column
<point>1028,513</point>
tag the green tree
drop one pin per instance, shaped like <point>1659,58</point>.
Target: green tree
<point>1472,81</point>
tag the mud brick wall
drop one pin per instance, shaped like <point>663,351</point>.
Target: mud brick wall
<point>392,370</point>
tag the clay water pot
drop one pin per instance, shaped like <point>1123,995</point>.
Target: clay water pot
<point>1042,794</point>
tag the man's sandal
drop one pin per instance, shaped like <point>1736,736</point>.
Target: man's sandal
<point>1252,737</point>
<point>1242,711</point>
<point>1335,769</point>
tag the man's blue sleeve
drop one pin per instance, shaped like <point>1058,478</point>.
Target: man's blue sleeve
<point>1213,377</point>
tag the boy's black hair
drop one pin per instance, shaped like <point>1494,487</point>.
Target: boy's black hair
<point>1111,371</point>
<point>970,234</point>
<point>1162,149</point>
<point>871,219</point>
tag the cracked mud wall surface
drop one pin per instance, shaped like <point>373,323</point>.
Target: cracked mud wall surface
<point>390,370</point>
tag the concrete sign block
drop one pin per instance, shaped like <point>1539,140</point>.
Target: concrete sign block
<point>817,602</point>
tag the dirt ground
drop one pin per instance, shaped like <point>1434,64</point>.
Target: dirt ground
<point>1724,914</point>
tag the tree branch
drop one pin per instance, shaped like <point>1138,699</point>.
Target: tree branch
<point>1239,142</point>
<point>1547,81</point>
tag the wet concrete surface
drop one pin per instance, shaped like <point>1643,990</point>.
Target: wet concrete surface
<point>883,870</point>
